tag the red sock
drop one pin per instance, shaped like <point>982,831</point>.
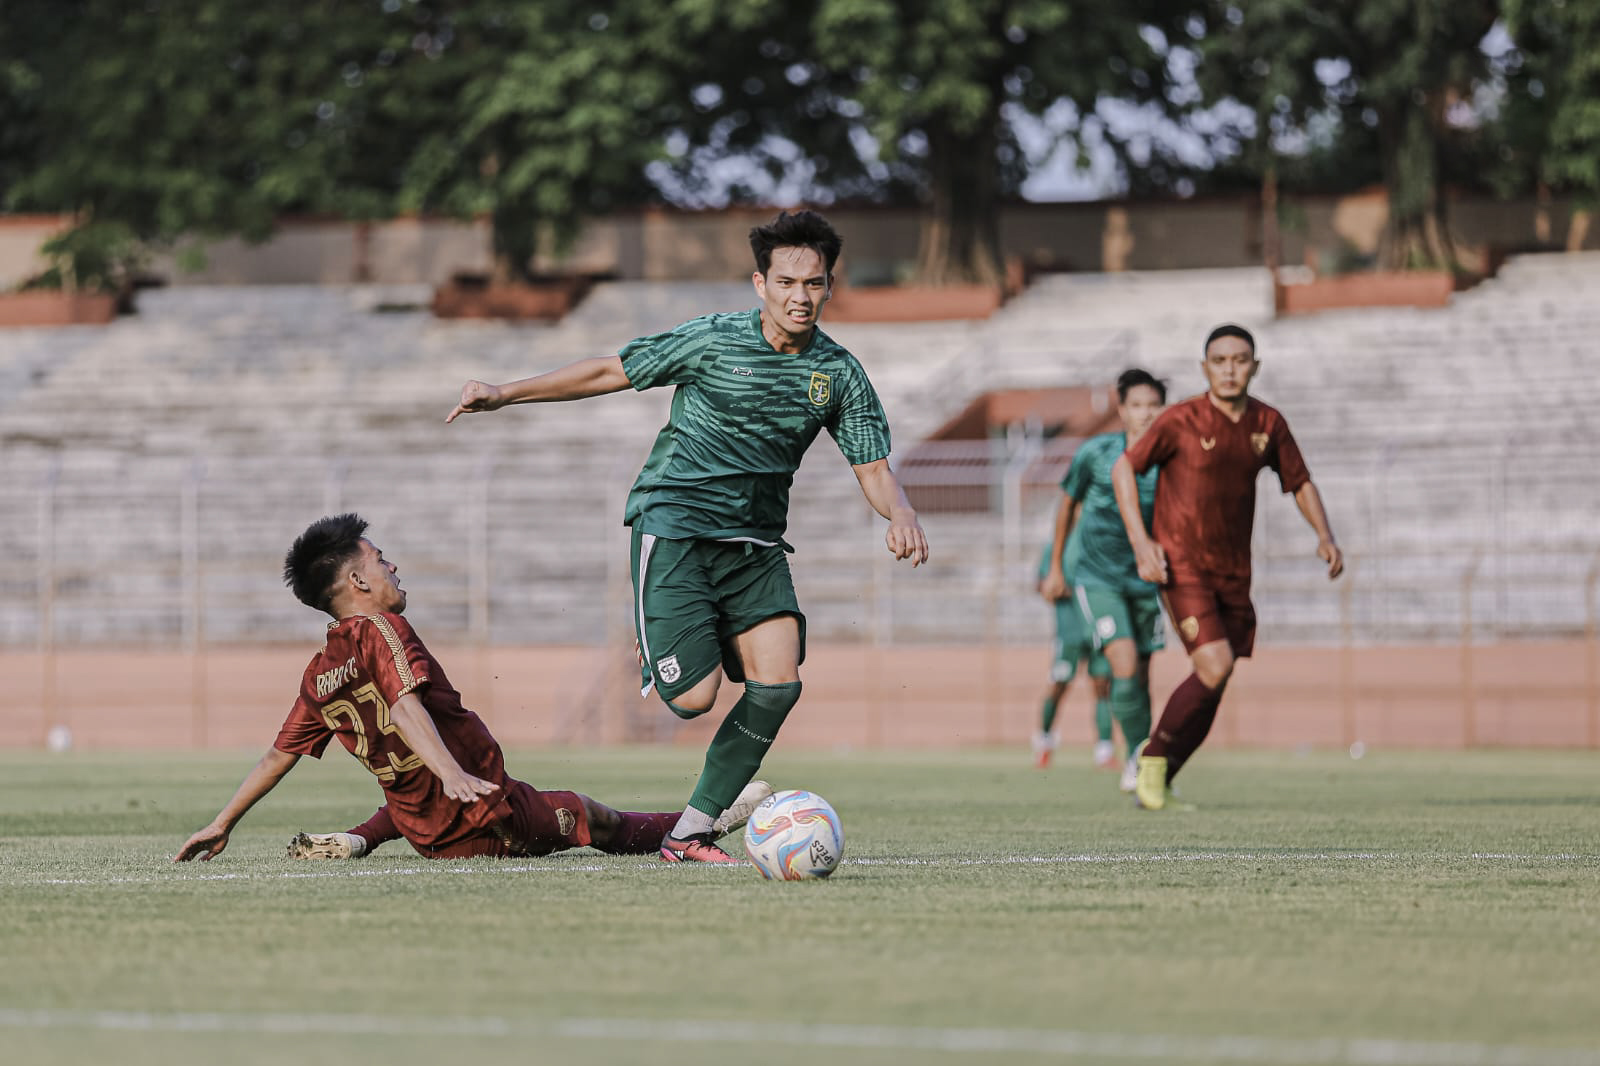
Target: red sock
<point>1185,721</point>
<point>639,834</point>
<point>377,829</point>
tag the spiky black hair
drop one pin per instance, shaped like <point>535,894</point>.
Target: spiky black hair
<point>311,569</point>
<point>795,229</point>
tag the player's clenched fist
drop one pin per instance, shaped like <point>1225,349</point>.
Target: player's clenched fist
<point>476,396</point>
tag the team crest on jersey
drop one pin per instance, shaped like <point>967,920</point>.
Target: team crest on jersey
<point>1258,441</point>
<point>1208,443</point>
<point>566,821</point>
<point>1189,627</point>
<point>668,669</point>
<point>821,388</point>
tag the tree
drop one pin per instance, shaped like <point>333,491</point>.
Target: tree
<point>554,113</point>
<point>1554,105</point>
<point>912,101</point>
<point>1405,69</point>
<point>210,117</point>
<point>935,80</point>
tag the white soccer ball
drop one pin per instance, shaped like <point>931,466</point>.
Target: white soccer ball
<point>793,836</point>
<point>59,738</point>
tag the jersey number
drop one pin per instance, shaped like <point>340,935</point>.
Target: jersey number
<point>368,693</point>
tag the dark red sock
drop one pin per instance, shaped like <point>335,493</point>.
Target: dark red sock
<point>1193,730</point>
<point>377,829</point>
<point>1183,702</point>
<point>639,834</point>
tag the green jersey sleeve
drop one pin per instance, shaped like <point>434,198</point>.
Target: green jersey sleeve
<point>1081,473</point>
<point>669,358</point>
<point>858,424</point>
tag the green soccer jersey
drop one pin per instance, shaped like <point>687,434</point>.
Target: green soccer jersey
<point>1105,558</point>
<point>742,417</point>
<point>1070,551</point>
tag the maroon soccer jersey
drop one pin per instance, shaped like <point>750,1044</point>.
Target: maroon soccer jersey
<point>368,663</point>
<point>1206,496</point>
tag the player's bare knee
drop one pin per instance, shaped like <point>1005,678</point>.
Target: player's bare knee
<point>1215,671</point>
<point>698,699</point>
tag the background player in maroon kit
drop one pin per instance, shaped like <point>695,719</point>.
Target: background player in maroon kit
<point>378,689</point>
<point>1210,449</point>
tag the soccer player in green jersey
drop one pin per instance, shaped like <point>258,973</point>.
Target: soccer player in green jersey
<point>712,589</point>
<point>1121,611</point>
<point>1072,649</point>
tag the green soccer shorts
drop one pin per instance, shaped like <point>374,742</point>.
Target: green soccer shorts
<point>1072,646</point>
<point>692,597</point>
<point>1109,615</point>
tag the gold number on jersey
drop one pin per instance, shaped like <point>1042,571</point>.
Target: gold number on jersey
<point>368,693</point>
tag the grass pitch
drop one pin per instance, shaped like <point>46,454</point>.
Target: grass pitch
<point>1406,908</point>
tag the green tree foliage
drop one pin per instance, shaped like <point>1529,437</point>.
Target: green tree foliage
<point>1407,70</point>
<point>931,81</point>
<point>209,117</point>
<point>1553,114</point>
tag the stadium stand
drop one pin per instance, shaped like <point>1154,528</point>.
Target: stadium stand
<point>159,466</point>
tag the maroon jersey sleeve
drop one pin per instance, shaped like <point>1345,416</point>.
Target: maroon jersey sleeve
<point>304,732</point>
<point>1159,443</point>
<point>1286,459</point>
<point>399,662</point>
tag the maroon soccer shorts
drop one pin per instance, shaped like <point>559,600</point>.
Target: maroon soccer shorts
<point>538,823</point>
<point>1206,613</point>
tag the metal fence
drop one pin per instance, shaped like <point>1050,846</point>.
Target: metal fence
<point>1442,544</point>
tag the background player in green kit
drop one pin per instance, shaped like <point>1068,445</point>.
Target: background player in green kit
<point>712,590</point>
<point>1121,611</point>
<point>1071,649</point>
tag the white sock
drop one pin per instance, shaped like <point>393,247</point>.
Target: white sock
<point>692,824</point>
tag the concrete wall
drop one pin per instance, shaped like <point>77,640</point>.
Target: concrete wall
<point>880,242</point>
<point>1527,694</point>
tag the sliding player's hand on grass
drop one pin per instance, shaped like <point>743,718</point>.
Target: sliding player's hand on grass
<point>205,845</point>
<point>476,396</point>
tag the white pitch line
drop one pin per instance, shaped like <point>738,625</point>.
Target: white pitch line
<point>1337,1051</point>
<point>336,868</point>
<point>340,868</point>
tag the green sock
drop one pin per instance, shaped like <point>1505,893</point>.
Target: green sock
<point>1102,718</point>
<point>1130,703</point>
<point>1047,717</point>
<point>741,743</point>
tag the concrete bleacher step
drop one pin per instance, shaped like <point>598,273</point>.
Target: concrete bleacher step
<point>270,405</point>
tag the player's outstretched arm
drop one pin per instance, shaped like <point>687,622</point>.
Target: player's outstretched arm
<point>1150,556</point>
<point>1054,585</point>
<point>422,736</point>
<point>575,381</point>
<point>905,538</point>
<point>208,843</point>
<point>1309,500</point>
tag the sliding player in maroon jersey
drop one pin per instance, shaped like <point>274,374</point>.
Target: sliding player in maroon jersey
<point>379,690</point>
<point>1210,449</point>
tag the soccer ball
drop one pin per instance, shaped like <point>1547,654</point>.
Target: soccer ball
<point>793,836</point>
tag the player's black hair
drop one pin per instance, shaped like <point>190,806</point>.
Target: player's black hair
<point>1228,329</point>
<point>1134,377</point>
<point>795,229</point>
<point>311,569</point>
